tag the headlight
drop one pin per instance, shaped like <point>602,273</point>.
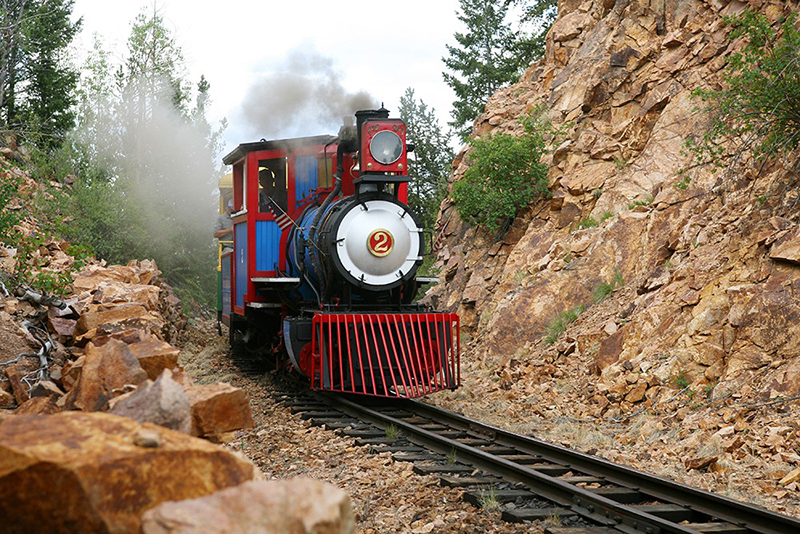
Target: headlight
<point>386,147</point>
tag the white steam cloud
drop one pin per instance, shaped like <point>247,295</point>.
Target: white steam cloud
<point>304,96</point>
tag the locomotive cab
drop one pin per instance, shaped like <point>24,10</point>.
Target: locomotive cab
<point>325,257</point>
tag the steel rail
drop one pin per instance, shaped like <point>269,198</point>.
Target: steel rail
<point>746,515</point>
<point>581,501</point>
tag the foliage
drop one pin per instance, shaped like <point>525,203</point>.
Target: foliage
<point>588,222</point>
<point>429,163</point>
<point>560,323</point>
<point>505,174</point>
<point>492,52</point>
<point>681,380</point>
<point>606,215</point>
<point>392,432</point>
<point>643,201</point>
<point>37,83</point>
<point>8,190</point>
<point>488,500</point>
<point>604,289</point>
<point>757,110</point>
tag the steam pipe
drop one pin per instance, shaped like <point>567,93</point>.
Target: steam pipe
<point>312,234</point>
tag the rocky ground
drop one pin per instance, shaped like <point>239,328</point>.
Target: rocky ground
<point>728,443</point>
<point>387,496</point>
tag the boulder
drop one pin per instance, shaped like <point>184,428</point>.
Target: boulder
<point>301,506</point>
<point>135,272</point>
<point>38,406</point>
<point>163,402</point>
<point>6,399</point>
<point>219,408</point>
<point>107,368</point>
<point>76,471</point>
<point>155,356</point>
<point>107,319</point>
<point>17,387</point>
<point>46,388</point>
<point>72,372</point>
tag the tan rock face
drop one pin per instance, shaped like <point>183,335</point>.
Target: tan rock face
<point>301,506</point>
<point>106,370</point>
<point>84,472</point>
<point>219,408</point>
<point>710,277</point>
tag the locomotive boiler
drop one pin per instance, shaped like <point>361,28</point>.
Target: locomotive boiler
<point>324,260</point>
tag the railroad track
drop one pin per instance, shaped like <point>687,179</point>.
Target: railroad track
<point>531,479</point>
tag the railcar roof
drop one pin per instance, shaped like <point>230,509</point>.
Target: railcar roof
<point>287,144</point>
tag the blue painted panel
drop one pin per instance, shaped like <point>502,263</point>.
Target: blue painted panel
<point>268,238</point>
<point>305,176</point>
<point>240,231</point>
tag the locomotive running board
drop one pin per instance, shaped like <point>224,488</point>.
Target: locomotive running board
<point>386,354</point>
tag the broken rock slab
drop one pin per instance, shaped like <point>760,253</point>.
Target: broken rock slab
<point>106,370</point>
<point>38,406</point>
<point>301,506</point>
<point>6,399</point>
<point>85,472</point>
<point>163,402</point>
<point>219,408</point>
<point>787,248</point>
<point>155,356</point>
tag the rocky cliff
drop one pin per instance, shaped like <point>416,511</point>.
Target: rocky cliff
<point>704,266</point>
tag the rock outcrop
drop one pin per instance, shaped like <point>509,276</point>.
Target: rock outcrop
<point>709,261</point>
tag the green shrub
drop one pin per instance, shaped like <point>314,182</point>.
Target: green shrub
<point>588,222</point>
<point>8,190</point>
<point>505,174</point>
<point>606,215</point>
<point>758,108</point>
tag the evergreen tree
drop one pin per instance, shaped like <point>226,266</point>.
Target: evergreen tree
<point>37,84</point>
<point>492,52</point>
<point>429,163</point>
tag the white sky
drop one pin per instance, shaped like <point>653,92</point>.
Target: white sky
<point>377,46</point>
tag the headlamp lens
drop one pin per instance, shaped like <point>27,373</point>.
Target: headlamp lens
<point>386,147</point>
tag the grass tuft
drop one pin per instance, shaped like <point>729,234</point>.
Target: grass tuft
<point>488,500</point>
<point>392,432</point>
<point>559,325</point>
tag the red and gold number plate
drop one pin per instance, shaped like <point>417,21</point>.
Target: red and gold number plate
<point>380,242</point>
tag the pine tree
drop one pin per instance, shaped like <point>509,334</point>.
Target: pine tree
<point>37,84</point>
<point>52,81</point>
<point>492,53</point>
<point>429,163</point>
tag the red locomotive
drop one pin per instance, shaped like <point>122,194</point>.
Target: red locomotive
<point>324,260</point>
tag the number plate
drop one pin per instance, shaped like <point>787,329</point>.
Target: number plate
<point>380,242</point>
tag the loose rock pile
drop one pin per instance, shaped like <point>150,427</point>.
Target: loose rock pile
<point>106,422</point>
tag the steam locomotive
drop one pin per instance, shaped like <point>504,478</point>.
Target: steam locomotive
<point>322,268</point>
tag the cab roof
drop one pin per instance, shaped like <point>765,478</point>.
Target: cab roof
<point>286,144</point>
